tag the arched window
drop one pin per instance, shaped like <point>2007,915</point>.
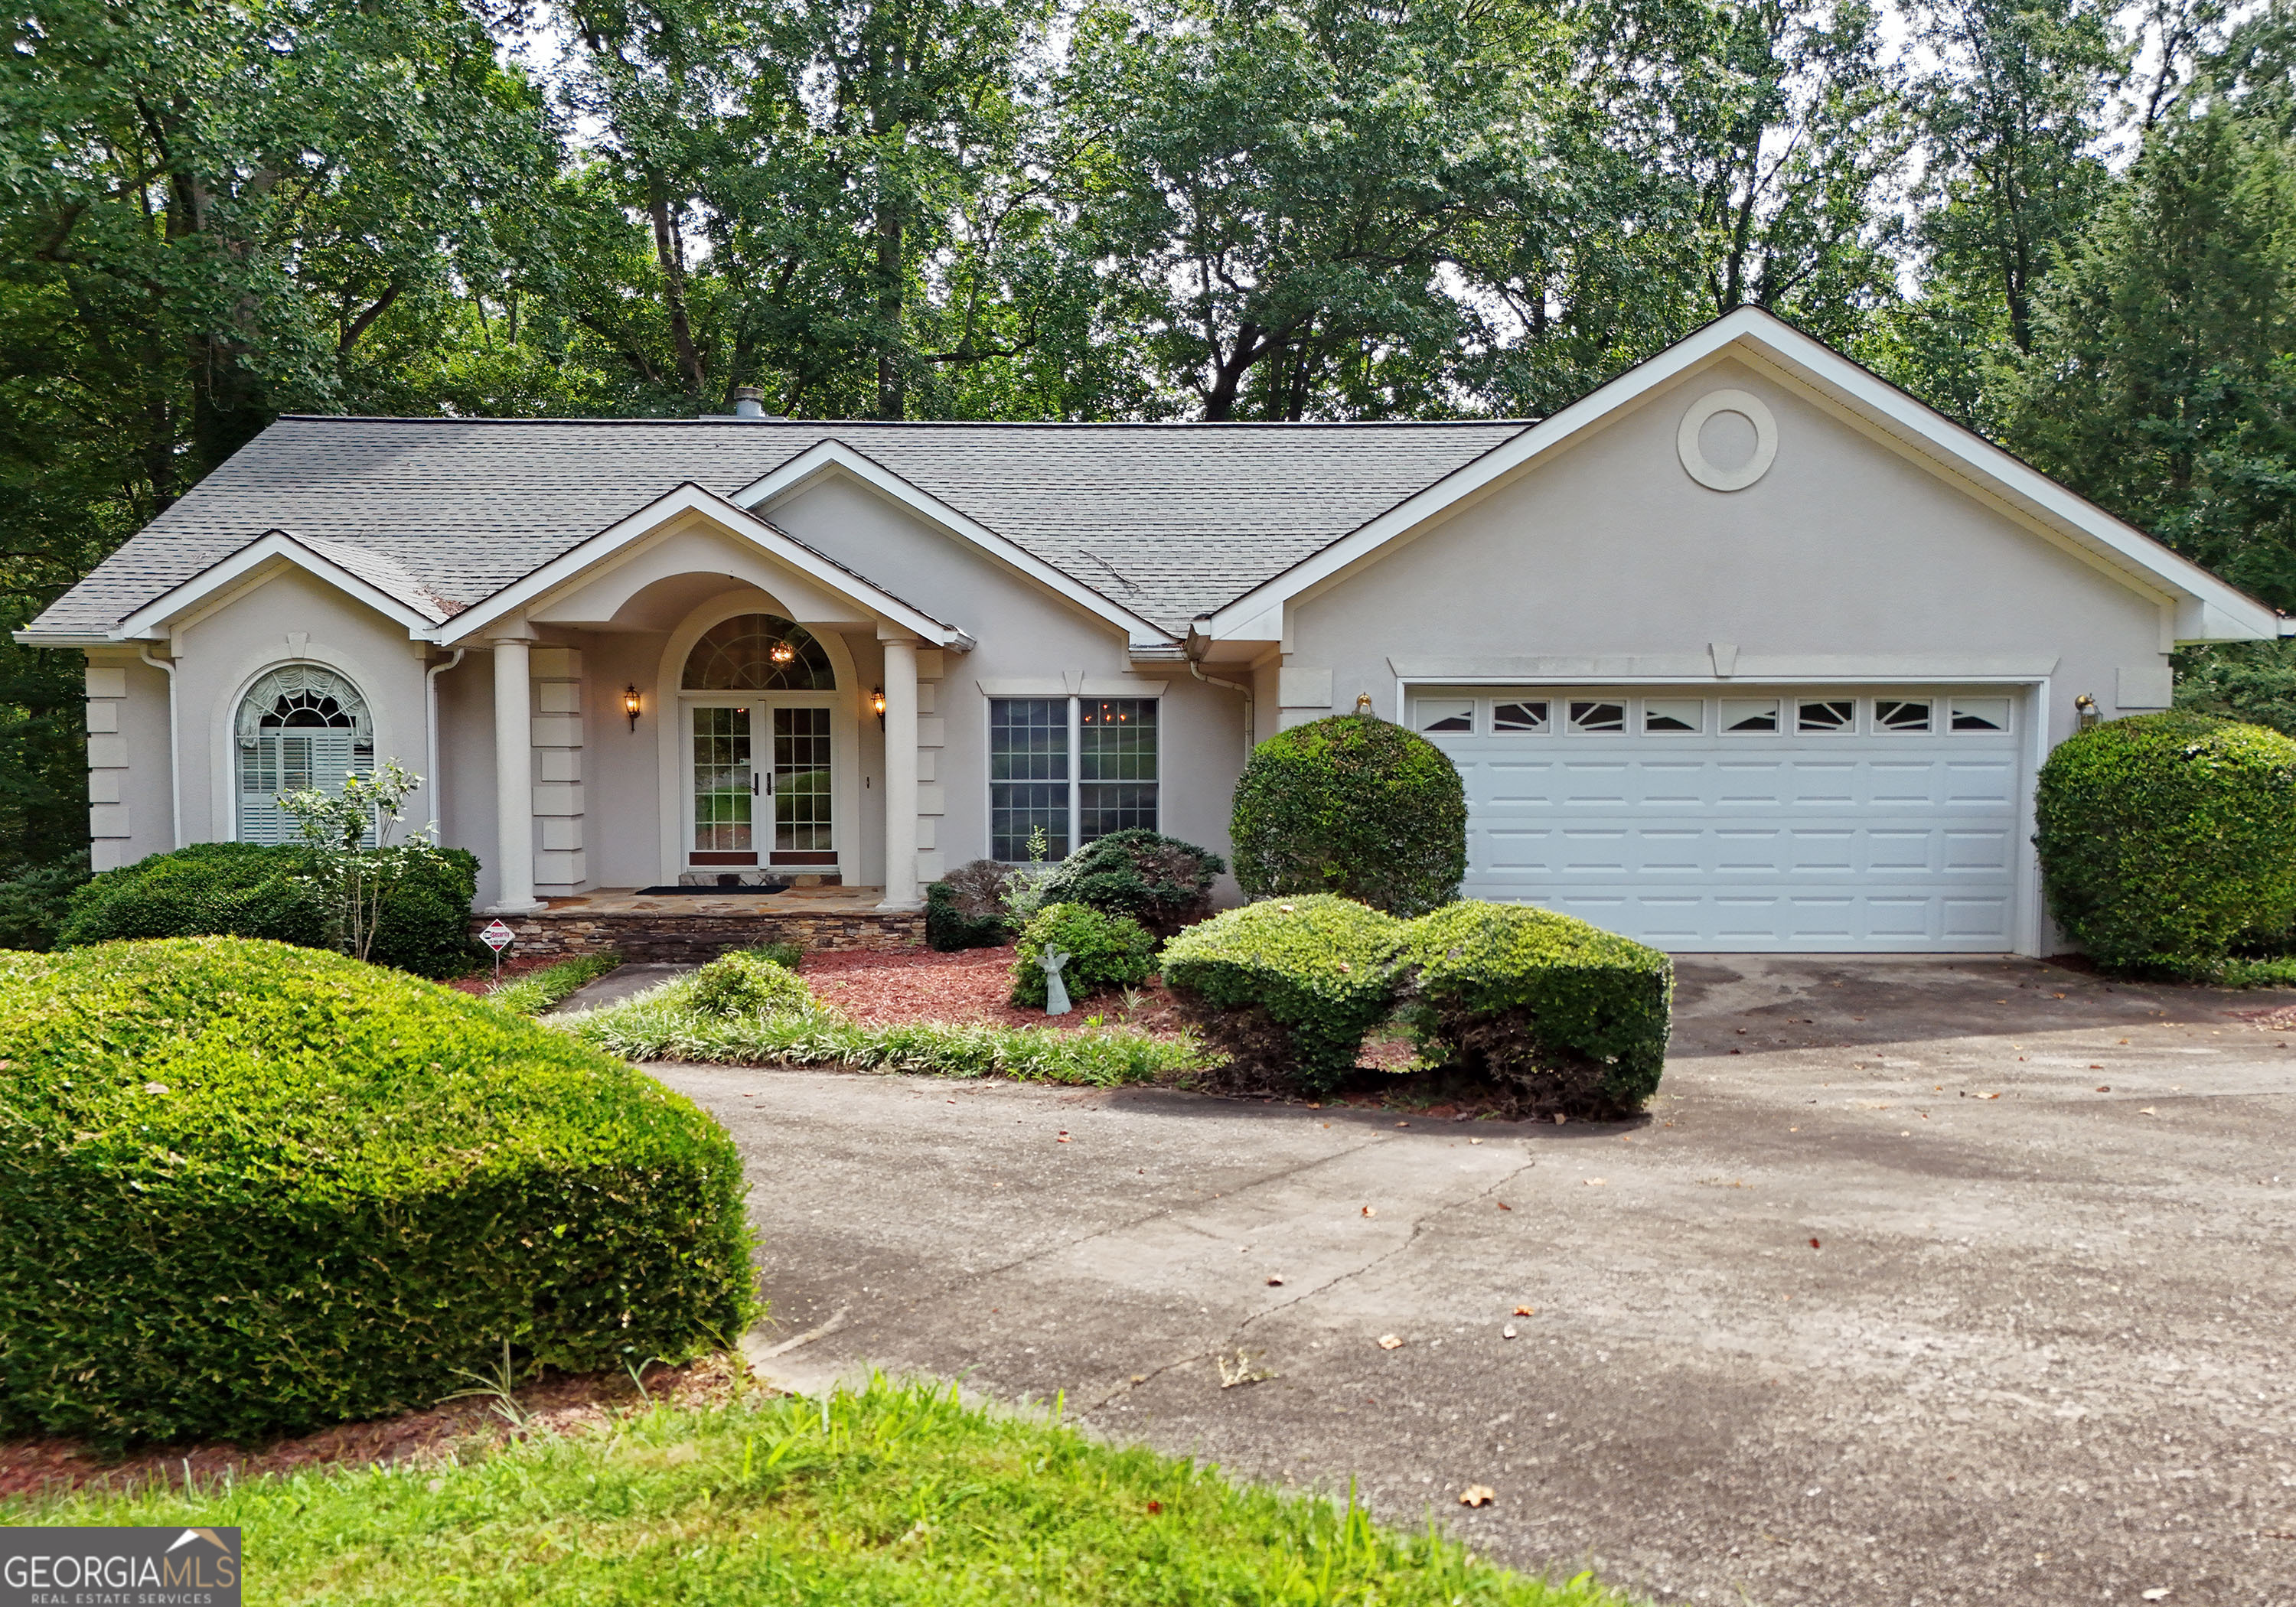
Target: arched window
<point>299,726</point>
<point>758,653</point>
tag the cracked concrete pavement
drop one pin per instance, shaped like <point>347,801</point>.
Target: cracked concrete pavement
<point>2037,1352</point>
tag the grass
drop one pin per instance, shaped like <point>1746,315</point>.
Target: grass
<point>896,1493</point>
<point>2264,971</point>
<point>538,990</point>
<point>659,1025</point>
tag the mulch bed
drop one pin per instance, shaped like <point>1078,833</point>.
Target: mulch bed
<point>477,983</point>
<point>559,1404</point>
<point>880,987</point>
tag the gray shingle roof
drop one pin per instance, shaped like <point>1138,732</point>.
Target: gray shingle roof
<point>1169,521</point>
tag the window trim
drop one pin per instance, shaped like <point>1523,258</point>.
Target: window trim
<point>1033,690</point>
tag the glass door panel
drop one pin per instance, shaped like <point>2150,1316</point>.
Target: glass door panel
<point>801,783</point>
<point>724,788</point>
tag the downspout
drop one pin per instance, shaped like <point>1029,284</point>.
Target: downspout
<point>174,757</point>
<point>430,740</point>
<point>1196,647</point>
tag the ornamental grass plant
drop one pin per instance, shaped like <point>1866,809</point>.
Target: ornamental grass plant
<point>253,1189</point>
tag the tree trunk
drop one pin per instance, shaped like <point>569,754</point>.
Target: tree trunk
<point>893,376</point>
<point>670,253</point>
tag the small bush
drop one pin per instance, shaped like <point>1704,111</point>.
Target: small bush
<point>34,900</point>
<point>746,982</point>
<point>250,890</point>
<point>1570,1018</point>
<point>538,990</point>
<point>1105,951</point>
<point>2167,840</point>
<point>1352,806</point>
<point>966,909</point>
<point>1163,883</point>
<point>1287,987</point>
<point>254,1189</point>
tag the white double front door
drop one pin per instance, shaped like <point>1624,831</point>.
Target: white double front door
<point>1793,820</point>
<point>761,783</point>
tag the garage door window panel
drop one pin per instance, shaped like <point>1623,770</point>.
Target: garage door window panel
<point>1981,713</point>
<point>1750,716</point>
<point>1831,717</point>
<point>1455,715</point>
<point>1674,716</point>
<point>1597,716</point>
<point>1901,716</point>
<point>1519,716</point>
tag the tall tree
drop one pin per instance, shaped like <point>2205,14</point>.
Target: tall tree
<point>2161,380</point>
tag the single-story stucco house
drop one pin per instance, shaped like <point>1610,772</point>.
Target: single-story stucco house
<point>1746,650</point>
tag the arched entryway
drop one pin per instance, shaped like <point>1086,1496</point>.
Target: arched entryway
<point>757,706</point>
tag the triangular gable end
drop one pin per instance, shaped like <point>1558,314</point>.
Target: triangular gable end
<point>629,534</point>
<point>836,457</point>
<point>2207,609</point>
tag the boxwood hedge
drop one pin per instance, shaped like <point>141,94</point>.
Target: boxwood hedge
<point>247,1188</point>
<point>747,982</point>
<point>2167,838</point>
<point>1287,987</point>
<point>966,909</point>
<point>1163,883</point>
<point>1104,950</point>
<point>249,890</point>
<point>1354,806</point>
<point>1572,1019</point>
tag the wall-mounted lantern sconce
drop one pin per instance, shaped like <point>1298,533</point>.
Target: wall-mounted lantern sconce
<point>630,705</point>
<point>877,702</point>
<point>2085,711</point>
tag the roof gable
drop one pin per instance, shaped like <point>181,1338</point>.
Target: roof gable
<point>2207,609</point>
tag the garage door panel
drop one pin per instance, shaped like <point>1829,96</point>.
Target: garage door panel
<point>1876,838</point>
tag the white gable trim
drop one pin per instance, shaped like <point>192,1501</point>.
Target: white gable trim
<point>835,456</point>
<point>243,569</point>
<point>512,599</point>
<point>2206,608</point>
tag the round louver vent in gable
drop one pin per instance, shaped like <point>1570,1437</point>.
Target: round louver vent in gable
<point>1723,458</point>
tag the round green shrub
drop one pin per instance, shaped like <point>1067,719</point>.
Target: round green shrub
<point>2165,839</point>
<point>250,889</point>
<point>1570,1018</point>
<point>1105,951</point>
<point>745,982</point>
<point>1287,987</point>
<point>253,1189</point>
<point>1352,806</point>
<point>966,909</point>
<point>1163,883</point>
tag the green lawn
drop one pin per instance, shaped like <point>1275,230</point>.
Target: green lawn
<point>895,1494</point>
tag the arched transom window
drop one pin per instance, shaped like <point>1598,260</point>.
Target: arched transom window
<point>758,653</point>
<point>299,726</point>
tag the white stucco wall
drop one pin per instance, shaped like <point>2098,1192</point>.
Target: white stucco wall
<point>1846,547</point>
<point>1025,633</point>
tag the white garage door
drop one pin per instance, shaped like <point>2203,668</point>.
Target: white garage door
<point>1787,821</point>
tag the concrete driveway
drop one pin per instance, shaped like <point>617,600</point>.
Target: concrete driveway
<point>1887,1302</point>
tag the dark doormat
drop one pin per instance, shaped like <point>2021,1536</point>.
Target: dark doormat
<point>760,891</point>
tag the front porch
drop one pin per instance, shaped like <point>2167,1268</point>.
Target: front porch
<point>689,929</point>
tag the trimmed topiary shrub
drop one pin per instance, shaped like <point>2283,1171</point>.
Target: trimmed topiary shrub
<point>1354,806</point>
<point>1287,987</point>
<point>1570,1018</point>
<point>240,890</point>
<point>2166,839</point>
<point>252,890</point>
<point>252,1189</point>
<point>748,982</point>
<point>966,909</point>
<point>1105,951</point>
<point>1163,883</point>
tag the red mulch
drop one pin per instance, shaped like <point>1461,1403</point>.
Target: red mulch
<point>479,981</point>
<point>889,988</point>
<point>561,1403</point>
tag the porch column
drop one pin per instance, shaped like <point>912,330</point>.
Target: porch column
<point>900,770</point>
<point>513,778</point>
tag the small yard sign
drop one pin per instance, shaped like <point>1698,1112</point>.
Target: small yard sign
<point>497,936</point>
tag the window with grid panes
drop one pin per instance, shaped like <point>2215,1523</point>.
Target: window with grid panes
<point>1111,787</point>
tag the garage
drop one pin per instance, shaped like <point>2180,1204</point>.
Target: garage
<point>1799,819</point>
